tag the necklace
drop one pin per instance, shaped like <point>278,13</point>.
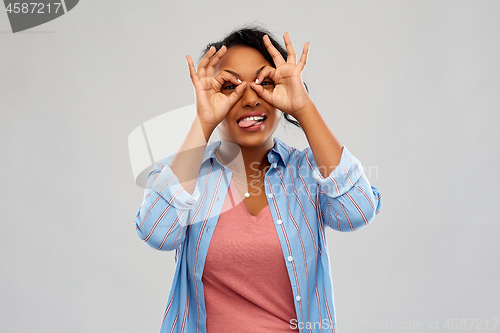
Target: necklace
<point>252,182</point>
<point>247,194</point>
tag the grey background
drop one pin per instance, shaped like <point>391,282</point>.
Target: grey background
<point>410,87</point>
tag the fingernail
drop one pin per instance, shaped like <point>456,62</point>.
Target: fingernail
<point>257,81</point>
<point>239,80</point>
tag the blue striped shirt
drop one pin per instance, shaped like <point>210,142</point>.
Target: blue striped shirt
<point>302,203</point>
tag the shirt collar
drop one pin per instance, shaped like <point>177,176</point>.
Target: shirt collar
<point>279,151</point>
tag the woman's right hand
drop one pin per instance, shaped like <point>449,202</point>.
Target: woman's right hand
<point>212,105</point>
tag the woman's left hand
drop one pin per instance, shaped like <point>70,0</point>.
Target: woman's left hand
<point>289,94</point>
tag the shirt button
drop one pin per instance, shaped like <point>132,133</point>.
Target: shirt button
<point>275,165</point>
<point>297,298</point>
<point>279,221</point>
<point>290,258</point>
<point>270,195</point>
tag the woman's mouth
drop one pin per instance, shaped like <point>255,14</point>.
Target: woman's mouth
<point>252,123</point>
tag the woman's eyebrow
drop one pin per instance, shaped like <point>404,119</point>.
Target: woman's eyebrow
<point>238,75</point>
<point>260,69</point>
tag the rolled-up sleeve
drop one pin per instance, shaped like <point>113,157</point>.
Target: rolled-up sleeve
<point>347,200</point>
<point>162,219</point>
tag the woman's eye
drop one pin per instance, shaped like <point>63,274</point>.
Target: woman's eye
<point>267,83</point>
<point>230,87</point>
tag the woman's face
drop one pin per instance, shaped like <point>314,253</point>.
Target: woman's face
<point>245,63</point>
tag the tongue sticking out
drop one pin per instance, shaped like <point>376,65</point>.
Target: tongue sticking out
<point>247,123</point>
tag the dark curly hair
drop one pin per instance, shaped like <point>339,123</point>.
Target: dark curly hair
<point>252,36</point>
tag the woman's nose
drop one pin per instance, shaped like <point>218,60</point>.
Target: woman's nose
<point>250,98</point>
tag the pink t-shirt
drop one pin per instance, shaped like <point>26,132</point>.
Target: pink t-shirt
<point>245,279</point>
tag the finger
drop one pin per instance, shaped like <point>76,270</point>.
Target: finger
<point>192,70</point>
<point>215,60</point>
<point>292,58</point>
<point>237,93</point>
<point>263,93</point>
<point>224,77</point>
<point>205,60</point>
<point>303,57</point>
<point>277,58</point>
<point>267,71</point>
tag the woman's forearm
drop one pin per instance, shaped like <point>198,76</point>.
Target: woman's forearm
<point>326,149</point>
<point>187,161</point>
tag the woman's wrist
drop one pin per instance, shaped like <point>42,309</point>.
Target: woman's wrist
<point>207,129</point>
<point>303,113</point>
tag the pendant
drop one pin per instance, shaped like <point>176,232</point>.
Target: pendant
<point>247,195</point>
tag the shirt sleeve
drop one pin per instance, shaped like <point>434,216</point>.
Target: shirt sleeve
<point>162,219</point>
<point>347,201</point>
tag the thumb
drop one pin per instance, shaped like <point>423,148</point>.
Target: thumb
<point>237,93</point>
<point>263,93</point>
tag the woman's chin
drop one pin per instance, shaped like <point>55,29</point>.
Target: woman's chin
<point>254,141</point>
